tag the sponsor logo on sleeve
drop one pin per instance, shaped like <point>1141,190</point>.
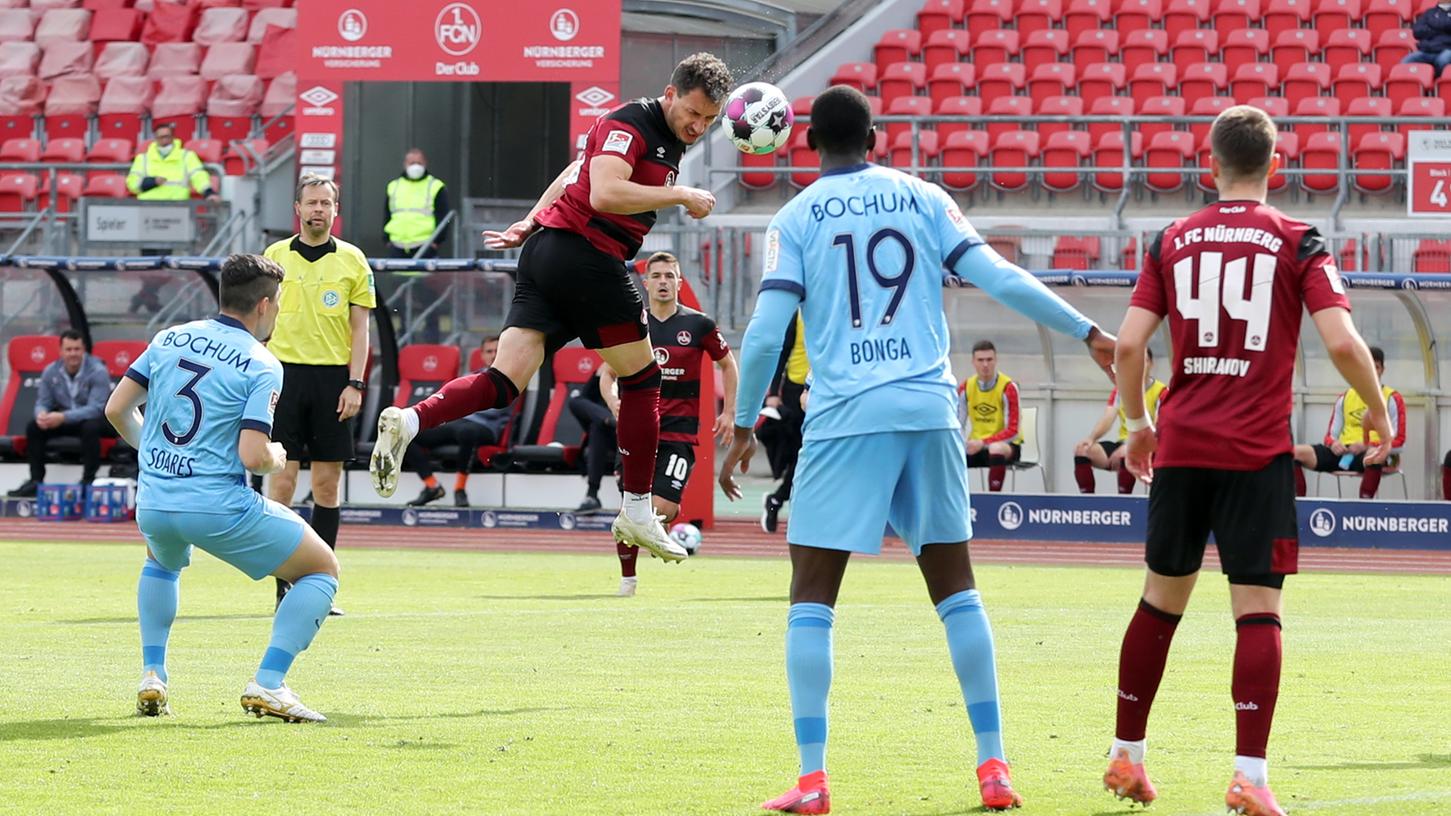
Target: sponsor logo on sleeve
<point>618,141</point>
<point>773,251</point>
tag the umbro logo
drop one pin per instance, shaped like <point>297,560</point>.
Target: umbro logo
<point>660,152</point>
<point>317,96</point>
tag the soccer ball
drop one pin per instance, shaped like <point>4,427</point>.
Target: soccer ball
<point>758,118</point>
<point>687,536</point>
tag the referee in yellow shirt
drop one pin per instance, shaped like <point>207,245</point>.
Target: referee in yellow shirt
<point>322,341</point>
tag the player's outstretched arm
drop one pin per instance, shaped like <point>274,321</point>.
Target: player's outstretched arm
<point>760,349</point>
<point>1352,359</point>
<point>520,230</point>
<point>611,191</point>
<point>1129,361</point>
<point>121,410</point>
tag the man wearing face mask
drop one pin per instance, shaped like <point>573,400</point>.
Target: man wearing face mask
<point>417,204</point>
<point>167,171</point>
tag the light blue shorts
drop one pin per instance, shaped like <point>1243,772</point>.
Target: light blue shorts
<point>848,489</point>
<point>256,541</point>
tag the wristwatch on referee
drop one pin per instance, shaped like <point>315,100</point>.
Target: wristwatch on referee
<point>358,384</point>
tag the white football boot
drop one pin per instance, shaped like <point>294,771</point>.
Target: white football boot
<point>627,587</point>
<point>151,697</point>
<point>281,703</point>
<point>650,536</point>
<point>394,433</point>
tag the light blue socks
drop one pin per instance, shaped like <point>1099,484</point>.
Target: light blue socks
<point>157,593</point>
<point>299,616</point>
<point>808,674</point>
<point>970,642</point>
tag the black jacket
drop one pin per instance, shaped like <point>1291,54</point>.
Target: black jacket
<point>1433,30</point>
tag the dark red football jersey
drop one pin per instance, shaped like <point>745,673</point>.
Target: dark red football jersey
<point>679,344</point>
<point>1234,280</point>
<point>636,132</point>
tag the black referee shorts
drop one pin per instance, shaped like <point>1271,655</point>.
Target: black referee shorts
<point>306,420</point>
<point>566,288</point>
<point>1250,512</point>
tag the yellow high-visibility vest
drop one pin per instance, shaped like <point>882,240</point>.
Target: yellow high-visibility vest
<point>181,172</point>
<point>410,206</point>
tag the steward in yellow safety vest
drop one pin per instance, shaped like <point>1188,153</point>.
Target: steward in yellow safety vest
<point>417,203</point>
<point>167,171</point>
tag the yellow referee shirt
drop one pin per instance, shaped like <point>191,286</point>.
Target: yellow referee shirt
<point>320,286</point>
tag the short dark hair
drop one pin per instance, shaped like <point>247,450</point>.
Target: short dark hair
<point>1243,140</point>
<point>841,119</point>
<point>246,279</point>
<point>489,338</point>
<point>663,257</point>
<point>72,334</point>
<point>984,345</point>
<point>312,180</point>
<point>1377,354</point>
<point>703,71</point>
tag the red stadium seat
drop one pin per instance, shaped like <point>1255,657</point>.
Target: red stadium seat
<point>1099,81</point>
<point>237,161</point>
<point>1420,106</point>
<point>1276,106</point>
<point>1011,106</point>
<point>901,79</point>
<point>1116,107</point>
<point>1135,15</point>
<point>115,25</point>
<point>1087,15</point>
<point>17,25</point>
<point>237,96</point>
<point>906,106</point>
<point>208,150</point>
<point>1350,259</point>
<point>422,369</point>
<point>1108,157</point>
<point>28,356</point>
<point>1193,47</point>
<point>946,47</point>
<point>124,101</point>
<point>174,59</point>
<point>1304,80</point>
<point>1057,106</point>
<point>282,93</point>
<point>66,59</point>
<point>1392,46</point>
<point>63,25</point>
<point>994,46</point>
<point>1284,15</point>
<point>1185,15</point>
<point>69,106</point>
<point>988,14</point>
<point>122,59</point>
<point>1152,80</point>
<point>69,151</point>
<point>1067,149</point>
<point>799,155</point>
<point>20,150</point>
<point>938,15</point>
<point>285,18</point>
<point>274,53</point>
<point>1098,45</point>
<point>169,23</point>
<point>754,181</point>
<point>1167,106</point>
<point>969,107</point>
<point>1332,15</point>
<point>1077,252</point>
<point>1408,81</point>
<point>118,355</point>
<point>111,150</point>
<point>1206,106</point>
<point>226,59</point>
<point>1378,151</point>
<point>1168,151</point>
<point>1016,148</point>
<point>963,148</point>
<point>1203,80</point>
<point>1321,151</point>
<point>949,80</point>
<point>1366,106</point>
<point>1053,79</point>
<point>1044,47</point>
<point>1294,47</point>
<point>1130,259</point>
<point>859,75</point>
<point>1037,15</point>
<point>221,25</point>
<point>1000,79</point>
<point>560,435</point>
<point>1355,80</point>
<point>1144,47</point>
<point>1433,257</point>
<point>1235,15</point>
<point>1254,79</point>
<point>897,45</point>
<point>19,58</point>
<point>1346,46</point>
<point>68,188</point>
<point>1245,45</point>
<point>1287,147</point>
<point>1329,107</point>
<point>1387,15</point>
<point>900,155</point>
<point>18,191</point>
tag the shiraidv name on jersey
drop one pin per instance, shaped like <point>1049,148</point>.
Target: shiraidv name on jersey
<point>1216,365</point>
<point>223,353</point>
<point>887,348</point>
<point>878,204</point>
<point>168,462</point>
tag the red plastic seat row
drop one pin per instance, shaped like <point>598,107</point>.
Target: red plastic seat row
<point>1173,16</point>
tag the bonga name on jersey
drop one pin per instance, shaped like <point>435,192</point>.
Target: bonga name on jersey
<point>223,353</point>
<point>1216,365</point>
<point>870,351</point>
<point>864,205</point>
<point>173,463</point>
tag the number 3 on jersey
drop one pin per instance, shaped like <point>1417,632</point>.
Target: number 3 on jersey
<point>1200,297</point>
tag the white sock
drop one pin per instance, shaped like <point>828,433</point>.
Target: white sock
<point>410,423</point>
<point>638,507</point>
<point>1255,769</point>
<point>1136,749</point>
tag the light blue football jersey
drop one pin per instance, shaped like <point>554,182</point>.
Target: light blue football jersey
<point>205,381</point>
<point>865,248</point>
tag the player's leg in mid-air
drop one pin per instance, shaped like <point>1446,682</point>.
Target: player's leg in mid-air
<point>674,462</point>
<point>267,540</point>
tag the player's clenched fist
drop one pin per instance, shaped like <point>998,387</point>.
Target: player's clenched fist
<point>697,202</point>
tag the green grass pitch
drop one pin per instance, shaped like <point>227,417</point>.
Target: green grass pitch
<point>513,684</point>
